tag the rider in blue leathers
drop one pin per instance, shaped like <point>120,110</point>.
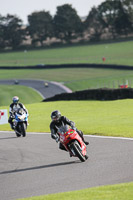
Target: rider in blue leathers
<point>14,108</point>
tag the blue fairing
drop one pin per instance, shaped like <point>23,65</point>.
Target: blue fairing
<point>19,120</point>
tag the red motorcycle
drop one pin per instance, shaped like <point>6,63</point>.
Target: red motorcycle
<point>72,142</point>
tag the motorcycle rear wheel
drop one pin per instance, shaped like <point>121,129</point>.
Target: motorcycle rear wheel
<point>77,151</point>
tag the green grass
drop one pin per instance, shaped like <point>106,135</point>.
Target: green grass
<point>115,53</point>
<point>26,94</point>
<point>110,118</point>
<point>75,79</point>
<point>111,192</point>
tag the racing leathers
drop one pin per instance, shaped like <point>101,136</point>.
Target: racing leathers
<point>13,109</point>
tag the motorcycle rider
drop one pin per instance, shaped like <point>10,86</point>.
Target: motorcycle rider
<point>14,108</point>
<point>57,120</point>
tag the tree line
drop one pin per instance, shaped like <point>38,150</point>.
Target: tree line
<point>111,19</point>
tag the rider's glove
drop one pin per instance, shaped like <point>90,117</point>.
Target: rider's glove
<point>12,115</point>
<point>74,128</point>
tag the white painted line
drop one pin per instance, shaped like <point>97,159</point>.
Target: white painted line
<point>68,90</point>
<point>38,133</point>
<point>33,133</point>
<point>37,91</point>
<point>95,136</point>
<point>109,137</point>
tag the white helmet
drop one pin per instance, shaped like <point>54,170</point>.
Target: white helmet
<point>15,99</point>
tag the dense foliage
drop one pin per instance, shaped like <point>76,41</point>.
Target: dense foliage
<point>40,26</point>
<point>67,23</point>
<point>111,18</point>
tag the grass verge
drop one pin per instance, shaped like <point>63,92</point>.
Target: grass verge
<point>26,94</point>
<point>75,79</point>
<point>111,192</point>
<point>115,53</point>
<point>109,118</point>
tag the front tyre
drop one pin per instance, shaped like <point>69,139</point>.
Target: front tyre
<point>76,148</point>
<point>17,134</point>
<point>23,129</point>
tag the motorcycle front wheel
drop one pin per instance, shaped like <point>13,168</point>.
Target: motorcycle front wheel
<point>76,148</point>
<point>23,129</point>
<point>17,134</point>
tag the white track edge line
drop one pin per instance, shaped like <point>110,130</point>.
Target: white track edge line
<point>95,136</point>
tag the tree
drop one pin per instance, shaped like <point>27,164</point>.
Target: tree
<point>108,12</point>
<point>121,23</point>
<point>94,24</point>
<point>67,24</point>
<point>2,43</point>
<point>128,7</point>
<point>13,34</point>
<point>126,16</point>
<point>116,15</point>
<point>40,26</point>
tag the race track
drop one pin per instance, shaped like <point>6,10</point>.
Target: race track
<point>35,166</point>
<point>39,85</point>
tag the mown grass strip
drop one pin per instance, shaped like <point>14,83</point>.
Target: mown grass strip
<point>27,95</point>
<point>111,192</point>
<point>115,53</point>
<point>75,79</point>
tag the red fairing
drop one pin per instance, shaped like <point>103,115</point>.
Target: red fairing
<point>68,137</point>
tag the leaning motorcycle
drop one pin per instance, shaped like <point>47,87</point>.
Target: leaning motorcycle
<point>72,142</point>
<point>20,122</point>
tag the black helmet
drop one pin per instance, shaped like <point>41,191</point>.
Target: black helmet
<point>15,99</point>
<point>55,115</point>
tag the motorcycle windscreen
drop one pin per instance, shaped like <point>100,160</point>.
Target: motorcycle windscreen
<point>63,129</point>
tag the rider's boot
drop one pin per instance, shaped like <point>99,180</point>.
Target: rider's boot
<point>87,143</point>
<point>70,154</point>
<point>12,126</point>
<point>81,135</point>
<point>86,157</point>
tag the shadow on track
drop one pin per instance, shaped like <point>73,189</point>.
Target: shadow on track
<point>40,167</point>
<point>6,138</point>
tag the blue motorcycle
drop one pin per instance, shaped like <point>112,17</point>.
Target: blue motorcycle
<point>20,122</point>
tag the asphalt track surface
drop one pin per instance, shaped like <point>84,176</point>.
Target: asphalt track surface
<point>34,165</point>
<point>39,85</point>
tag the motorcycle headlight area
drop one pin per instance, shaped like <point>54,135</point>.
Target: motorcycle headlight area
<point>21,117</point>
